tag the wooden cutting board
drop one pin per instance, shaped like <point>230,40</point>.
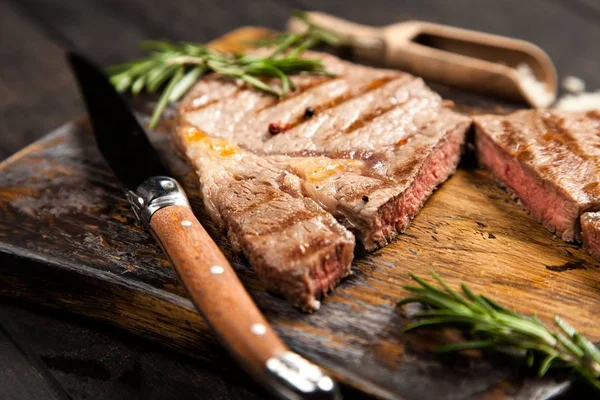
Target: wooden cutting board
<point>68,240</point>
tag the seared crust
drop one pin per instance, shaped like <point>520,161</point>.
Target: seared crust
<point>372,132</point>
<point>296,248</point>
<point>376,145</point>
<point>549,159</point>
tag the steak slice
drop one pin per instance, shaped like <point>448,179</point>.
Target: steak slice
<point>296,248</point>
<point>590,229</point>
<point>378,196</point>
<point>367,146</point>
<point>398,138</point>
<point>354,198</point>
<point>550,160</point>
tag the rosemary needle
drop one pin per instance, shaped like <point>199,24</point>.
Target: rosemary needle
<point>497,328</point>
<point>175,67</point>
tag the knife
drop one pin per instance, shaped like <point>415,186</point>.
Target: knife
<point>160,204</point>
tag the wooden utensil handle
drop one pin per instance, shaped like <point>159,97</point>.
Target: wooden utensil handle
<point>467,59</point>
<point>217,292</point>
<point>215,288</point>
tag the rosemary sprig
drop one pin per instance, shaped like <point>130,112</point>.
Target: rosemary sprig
<point>497,328</point>
<point>177,66</point>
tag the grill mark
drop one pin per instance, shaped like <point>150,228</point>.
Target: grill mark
<point>561,136</point>
<point>351,154</point>
<point>297,217</point>
<point>592,189</point>
<point>371,163</point>
<point>370,116</point>
<point>513,139</point>
<point>510,137</point>
<point>342,154</point>
<point>373,85</point>
<point>318,81</point>
<point>269,196</point>
<point>595,115</point>
<point>349,95</point>
<point>407,167</point>
<point>378,112</point>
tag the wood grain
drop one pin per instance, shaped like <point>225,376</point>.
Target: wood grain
<point>69,241</point>
<point>218,294</point>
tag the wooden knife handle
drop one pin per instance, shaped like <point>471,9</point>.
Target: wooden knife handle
<point>215,288</point>
<point>220,296</point>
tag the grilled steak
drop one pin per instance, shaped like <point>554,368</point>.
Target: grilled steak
<point>549,159</point>
<point>368,146</point>
<point>377,196</point>
<point>296,248</point>
<point>590,228</point>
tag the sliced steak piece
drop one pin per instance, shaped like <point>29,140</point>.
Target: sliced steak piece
<point>550,160</point>
<point>406,140</point>
<point>590,228</point>
<point>378,196</point>
<point>296,248</point>
<point>368,145</point>
<point>342,187</point>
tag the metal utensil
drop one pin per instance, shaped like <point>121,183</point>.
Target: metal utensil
<point>161,205</point>
<point>466,59</point>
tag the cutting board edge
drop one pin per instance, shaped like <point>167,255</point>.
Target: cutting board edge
<point>29,293</point>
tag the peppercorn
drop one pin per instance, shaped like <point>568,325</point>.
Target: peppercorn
<point>365,198</point>
<point>309,112</point>
<point>274,128</point>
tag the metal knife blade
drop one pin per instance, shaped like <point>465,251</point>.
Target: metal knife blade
<point>120,138</point>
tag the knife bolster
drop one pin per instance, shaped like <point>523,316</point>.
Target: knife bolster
<point>153,194</point>
<point>297,377</point>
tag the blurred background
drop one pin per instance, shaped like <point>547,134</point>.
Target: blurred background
<point>59,356</point>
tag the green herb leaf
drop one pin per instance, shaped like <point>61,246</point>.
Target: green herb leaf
<point>497,328</point>
<point>138,85</point>
<point>175,67</point>
<point>546,364</point>
<point>186,83</point>
<point>164,98</point>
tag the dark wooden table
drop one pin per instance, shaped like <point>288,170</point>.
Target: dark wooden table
<point>46,355</point>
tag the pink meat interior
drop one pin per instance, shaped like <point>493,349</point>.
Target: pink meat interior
<point>328,273</point>
<point>547,205</point>
<point>396,215</point>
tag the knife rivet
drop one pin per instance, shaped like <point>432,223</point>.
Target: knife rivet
<point>216,270</point>
<point>167,184</point>
<point>258,329</point>
<point>186,223</point>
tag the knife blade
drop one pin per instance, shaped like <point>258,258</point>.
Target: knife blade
<point>161,205</point>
